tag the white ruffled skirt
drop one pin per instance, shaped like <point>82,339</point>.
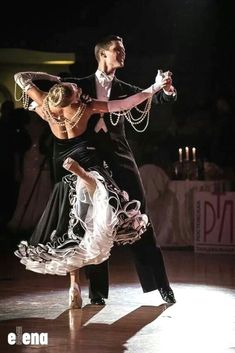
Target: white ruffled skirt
<point>79,229</point>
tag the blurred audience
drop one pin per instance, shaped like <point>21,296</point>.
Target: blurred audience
<point>14,142</point>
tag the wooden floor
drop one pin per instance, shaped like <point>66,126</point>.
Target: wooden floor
<point>202,320</point>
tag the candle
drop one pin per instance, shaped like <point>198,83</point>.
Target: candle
<point>180,155</point>
<point>187,153</point>
<point>194,154</point>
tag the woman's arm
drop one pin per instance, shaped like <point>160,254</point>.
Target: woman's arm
<point>130,102</point>
<point>25,81</point>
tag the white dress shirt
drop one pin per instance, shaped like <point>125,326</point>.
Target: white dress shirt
<point>103,89</point>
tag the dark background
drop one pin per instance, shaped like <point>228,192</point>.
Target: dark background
<point>192,38</point>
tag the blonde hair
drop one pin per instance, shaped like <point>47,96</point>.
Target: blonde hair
<point>60,95</point>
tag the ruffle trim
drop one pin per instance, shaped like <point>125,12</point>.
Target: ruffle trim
<point>102,219</point>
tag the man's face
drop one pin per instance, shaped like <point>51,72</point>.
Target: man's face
<point>115,55</point>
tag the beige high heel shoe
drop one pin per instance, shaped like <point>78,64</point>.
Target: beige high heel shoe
<point>74,167</point>
<point>75,299</point>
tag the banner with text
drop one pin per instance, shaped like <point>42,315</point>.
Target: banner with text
<point>214,216</point>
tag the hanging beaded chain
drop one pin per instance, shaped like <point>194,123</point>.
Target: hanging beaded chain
<point>68,124</point>
<point>24,97</point>
<point>134,121</point>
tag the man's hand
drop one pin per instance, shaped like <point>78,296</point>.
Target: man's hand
<point>162,80</point>
<point>85,98</point>
<point>168,88</point>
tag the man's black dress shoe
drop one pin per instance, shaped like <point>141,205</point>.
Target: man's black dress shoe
<point>97,301</point>
<point>167,295</point>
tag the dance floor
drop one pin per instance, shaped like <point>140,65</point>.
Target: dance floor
<point>34,309</point>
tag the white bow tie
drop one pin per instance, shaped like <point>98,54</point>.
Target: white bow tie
<point>105,80</point>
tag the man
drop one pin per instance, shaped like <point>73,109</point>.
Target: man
<point>110,141</point>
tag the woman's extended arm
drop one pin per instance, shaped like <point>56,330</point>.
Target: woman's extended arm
<point>130,102</point>
<point>25,81</point>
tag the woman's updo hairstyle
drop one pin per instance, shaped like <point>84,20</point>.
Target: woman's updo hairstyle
<point>60,95</point>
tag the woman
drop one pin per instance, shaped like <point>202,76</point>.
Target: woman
<point>86,211</point>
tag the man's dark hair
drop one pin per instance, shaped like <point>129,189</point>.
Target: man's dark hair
<point>104,43</point>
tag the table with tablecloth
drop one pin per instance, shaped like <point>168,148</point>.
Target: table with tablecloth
<point>171,204</point>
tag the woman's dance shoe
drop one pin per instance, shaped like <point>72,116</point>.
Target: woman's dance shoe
<point>74,167</point>
<point>75,299</point>
<point>68,163</point>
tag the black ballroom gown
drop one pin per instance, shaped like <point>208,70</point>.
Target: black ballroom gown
<point>76,228</point>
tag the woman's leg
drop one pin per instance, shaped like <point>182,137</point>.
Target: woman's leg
<point>75,299</point>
